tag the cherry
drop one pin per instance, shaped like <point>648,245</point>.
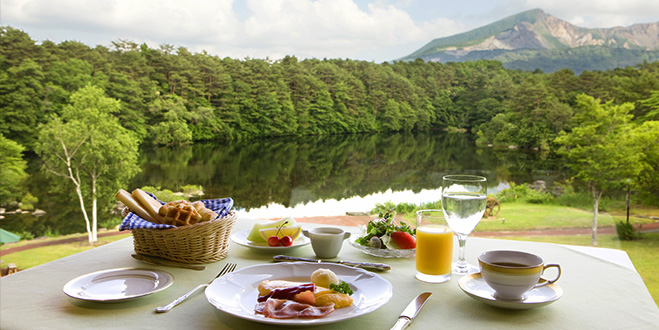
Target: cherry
<point>287,241</point>
<point>273,241</point>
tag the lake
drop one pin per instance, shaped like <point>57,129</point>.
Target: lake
<point>309,176</point>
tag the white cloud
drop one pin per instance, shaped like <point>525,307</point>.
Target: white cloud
<point>360,29</point>
<point>595,13</point>
<point>329,28</point>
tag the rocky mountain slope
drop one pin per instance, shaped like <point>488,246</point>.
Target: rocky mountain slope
<point>537,35</point>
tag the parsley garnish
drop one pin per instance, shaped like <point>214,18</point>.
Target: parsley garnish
<point>342,287</point>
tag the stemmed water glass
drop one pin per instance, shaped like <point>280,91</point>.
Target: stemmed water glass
<point>464,198</point>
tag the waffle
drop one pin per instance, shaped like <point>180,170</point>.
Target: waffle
<point>179,213</point>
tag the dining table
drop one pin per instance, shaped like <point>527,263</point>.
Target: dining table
<point>600,290</point>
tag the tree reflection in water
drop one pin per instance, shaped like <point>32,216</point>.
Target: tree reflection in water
<point>340,172</point>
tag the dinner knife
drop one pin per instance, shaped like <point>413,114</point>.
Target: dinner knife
<point>365,265</point>
<point>410,311</point>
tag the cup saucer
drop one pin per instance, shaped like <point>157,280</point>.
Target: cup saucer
<point>474,285</point>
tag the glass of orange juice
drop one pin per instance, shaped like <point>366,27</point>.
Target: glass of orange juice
<point>434,247</point>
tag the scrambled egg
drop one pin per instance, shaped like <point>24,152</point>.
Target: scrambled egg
<point>322,279</point>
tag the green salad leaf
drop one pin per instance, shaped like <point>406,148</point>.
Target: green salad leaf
<point>383,226</point>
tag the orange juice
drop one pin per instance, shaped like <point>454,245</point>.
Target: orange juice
<point>434,249</point>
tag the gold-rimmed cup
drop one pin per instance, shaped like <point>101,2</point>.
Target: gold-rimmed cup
<point>511,274</point>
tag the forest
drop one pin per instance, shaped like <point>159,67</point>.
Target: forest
<point>169,96</point>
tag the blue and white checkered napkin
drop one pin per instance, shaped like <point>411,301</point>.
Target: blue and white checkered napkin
<point>133,221</point>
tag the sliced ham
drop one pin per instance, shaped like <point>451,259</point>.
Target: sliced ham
<point>288,309</point>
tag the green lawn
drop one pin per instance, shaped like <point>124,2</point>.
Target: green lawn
<point>527,216</point>
<point>40,255</point>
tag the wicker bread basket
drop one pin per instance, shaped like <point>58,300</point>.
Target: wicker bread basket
<point>200,243</point>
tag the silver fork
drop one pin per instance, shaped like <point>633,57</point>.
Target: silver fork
<point>228,268</point>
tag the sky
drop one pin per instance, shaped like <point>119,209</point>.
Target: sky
<point>369,30</point>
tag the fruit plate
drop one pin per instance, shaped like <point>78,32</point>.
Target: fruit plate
<point>384,253</point>
<point>240,238</point>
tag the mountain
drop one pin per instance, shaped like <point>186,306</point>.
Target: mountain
<point>536,40</point>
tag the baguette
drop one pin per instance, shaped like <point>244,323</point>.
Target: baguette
<point>127,199</point>
<point>149,203</point>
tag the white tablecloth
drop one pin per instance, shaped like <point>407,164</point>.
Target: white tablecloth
<point>598,293</point>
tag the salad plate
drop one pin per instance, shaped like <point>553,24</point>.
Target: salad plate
<point>236,293</point>
<point>384,253</point>
<point>382,227</point>
<point>240,238</point>
<point>474,286</point>
<point>118,284</point>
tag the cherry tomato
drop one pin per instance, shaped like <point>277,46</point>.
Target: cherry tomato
<point>403,240</point>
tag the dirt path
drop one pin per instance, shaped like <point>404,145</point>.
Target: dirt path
<point>37,244</point>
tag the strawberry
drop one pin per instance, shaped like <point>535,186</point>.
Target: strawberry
<point>403,240</point>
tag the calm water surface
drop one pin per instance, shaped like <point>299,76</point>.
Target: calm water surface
<point>312,176</point>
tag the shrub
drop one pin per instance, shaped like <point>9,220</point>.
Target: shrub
<point>523,193</point>
<point>110,223</point>
<point>437,205</point>
<point>405,208</point>
<point>538,197</point>
<point>192,190</point>
<point>626,232</point>
<point>26,236</point>
<point>387,206</point>
<point>28,201</point>
<point>164,195</point>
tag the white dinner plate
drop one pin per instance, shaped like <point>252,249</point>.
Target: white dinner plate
<point>118,284</point>
<point>236,293</point>
<point>383,253</point>
<point>474,285</point>
<point>240,238</point>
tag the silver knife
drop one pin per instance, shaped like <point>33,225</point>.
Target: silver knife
<point>410,311</point>
<point>365,265</point>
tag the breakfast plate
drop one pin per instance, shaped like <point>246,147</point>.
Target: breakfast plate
<point>118,284</point>
<point>383,253</point>
<point>474,285</point>
<point>240,238</point>
<point>236,292</point>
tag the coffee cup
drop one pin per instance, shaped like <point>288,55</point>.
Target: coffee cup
<point>326,241</point>
<point>513,273</point>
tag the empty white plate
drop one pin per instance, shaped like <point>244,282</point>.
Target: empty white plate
<point>118,284</point>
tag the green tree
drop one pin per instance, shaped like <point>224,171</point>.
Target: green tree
<point>648,139</point>
<point>12,170</point>
<point>653,104</point>
<point>601,149</point>
<point>21,92</point>
<point>170,127</point>
<point>87,149</point>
